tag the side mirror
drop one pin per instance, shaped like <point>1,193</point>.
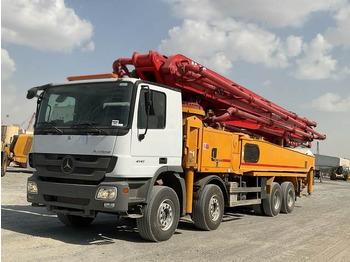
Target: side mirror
<point>32,93</point>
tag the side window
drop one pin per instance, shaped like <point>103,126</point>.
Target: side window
<point>157,117</point>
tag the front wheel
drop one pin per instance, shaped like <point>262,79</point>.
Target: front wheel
<point>161,215</point>
<point>75,221</point>
<point>208,208</point>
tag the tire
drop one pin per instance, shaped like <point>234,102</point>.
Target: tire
<point>272,204</point>
<point>346,177</point>
<point>208,209</point>
<point>288,197</point>
<point>75,221</point>
<point>160,216</point>
<point>259,209</point>
<point>4,164</point>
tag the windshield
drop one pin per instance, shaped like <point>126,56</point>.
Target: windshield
<point>90,105</point>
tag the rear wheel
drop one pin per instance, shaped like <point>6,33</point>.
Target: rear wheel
<point>288,197</point>
<point>161,215</point>
<point>75,221</point>
<point>208,209</point>
<point>272,204</point>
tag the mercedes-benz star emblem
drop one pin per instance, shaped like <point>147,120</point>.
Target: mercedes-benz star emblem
<point>67,165</point>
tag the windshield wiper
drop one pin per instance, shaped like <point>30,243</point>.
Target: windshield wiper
<point>51,124</point>
<point>90,125</point>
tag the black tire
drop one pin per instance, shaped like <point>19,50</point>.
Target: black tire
<point>160,216</point>
<point>346,177</point>
<point>75,221</point>
<point>288,197</point>
<point>259,209</point>
<point>272,204</point>
<point>4,163</point>
<point>208,208</point>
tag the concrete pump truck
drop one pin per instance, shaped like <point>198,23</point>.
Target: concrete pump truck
<point>167,139</point>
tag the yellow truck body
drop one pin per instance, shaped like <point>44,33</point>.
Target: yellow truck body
<point>231,155</point>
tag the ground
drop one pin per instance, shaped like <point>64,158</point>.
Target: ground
<point>317,230</point>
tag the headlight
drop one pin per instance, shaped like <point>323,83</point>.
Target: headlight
<point>32,187</point>
<point>106,193</point>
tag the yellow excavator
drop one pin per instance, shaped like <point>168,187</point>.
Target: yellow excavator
<point>14,146</point>
<point>17,151</point>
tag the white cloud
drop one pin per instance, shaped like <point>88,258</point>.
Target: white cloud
<point>208,39</point>
<point>339,36</point>
<point>274,13</point>
<point>218,61</point>
<point>45,25</point>
<point>294,45</point>
<point>317,62</point>
<point>193,9</point>
<point>7,65</point>
<point>331,102</point>
<point>238,31</point>
<point>342,74</point>
<point>223,41</point>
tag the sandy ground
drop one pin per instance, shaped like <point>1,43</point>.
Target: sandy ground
<point>317,230</point>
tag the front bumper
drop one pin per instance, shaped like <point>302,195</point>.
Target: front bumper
<point>80,199</point>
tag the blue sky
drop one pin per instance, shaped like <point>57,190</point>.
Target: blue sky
<point>294,53</point>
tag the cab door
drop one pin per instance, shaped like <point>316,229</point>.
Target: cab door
<point>156,130</point>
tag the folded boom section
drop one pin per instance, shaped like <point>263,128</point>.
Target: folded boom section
<point>226,103</point>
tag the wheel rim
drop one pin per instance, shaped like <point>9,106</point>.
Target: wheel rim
<point>165,215</point>
<point>276,201</point>
<point>214,208</point>
<point>290,198</point>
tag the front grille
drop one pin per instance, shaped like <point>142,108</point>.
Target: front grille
<point>67,200</point>
<point>69,181</point>
<point>86,169</point>
<point>78,170</point>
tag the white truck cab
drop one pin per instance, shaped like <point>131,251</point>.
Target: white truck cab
<point>99,145</point>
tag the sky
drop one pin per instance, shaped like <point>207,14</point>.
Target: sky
<point>294,53</point>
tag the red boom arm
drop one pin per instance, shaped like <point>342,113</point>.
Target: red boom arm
<point>233,106</point>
